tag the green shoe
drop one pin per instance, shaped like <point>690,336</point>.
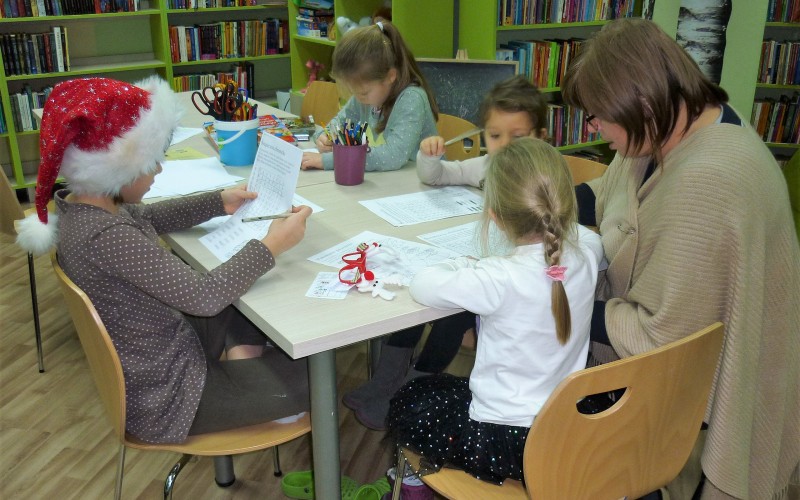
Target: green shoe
<point>373,491</point>
<point>300,485</point>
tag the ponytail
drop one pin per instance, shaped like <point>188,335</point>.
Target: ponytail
<point>368,54</point>
<point>529,188</point>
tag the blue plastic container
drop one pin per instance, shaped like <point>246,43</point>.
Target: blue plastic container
<point>237,142</point>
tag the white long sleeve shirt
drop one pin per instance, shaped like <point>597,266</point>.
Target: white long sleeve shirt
<point>519,360</point>
<point>434,171</point>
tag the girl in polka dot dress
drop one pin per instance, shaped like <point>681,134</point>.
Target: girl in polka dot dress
<point>535,307</point>
<point>169,323</point>
<point>389,94</point>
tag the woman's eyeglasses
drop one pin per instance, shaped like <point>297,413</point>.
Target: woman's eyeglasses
<point>589,119</point>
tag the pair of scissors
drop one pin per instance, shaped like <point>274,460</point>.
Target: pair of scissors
<point>210,102</point>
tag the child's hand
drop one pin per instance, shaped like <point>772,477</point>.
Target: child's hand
<point>232,198</point>
<point>311,161</point>
<point>285,233</point>
<point>324,143</point>
<point>432,146</point>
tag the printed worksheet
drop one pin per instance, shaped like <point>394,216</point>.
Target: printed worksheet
<point>397,260</point>
<point>425,206</point>
<point>274,178</point>
<point>464,239</point>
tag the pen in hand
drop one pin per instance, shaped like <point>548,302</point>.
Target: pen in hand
<point>266,217</point>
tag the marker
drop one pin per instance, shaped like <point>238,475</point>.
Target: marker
<point>265,217</point>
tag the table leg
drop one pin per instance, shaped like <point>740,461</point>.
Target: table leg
<point>324,425</point>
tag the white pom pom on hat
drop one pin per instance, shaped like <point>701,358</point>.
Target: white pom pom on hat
<point>100,135</point>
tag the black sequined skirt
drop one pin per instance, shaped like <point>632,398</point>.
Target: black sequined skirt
<point>430,415</point>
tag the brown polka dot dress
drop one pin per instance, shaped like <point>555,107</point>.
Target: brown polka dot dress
<point>140,291</point>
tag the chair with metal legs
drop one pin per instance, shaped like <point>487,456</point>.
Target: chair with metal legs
<point>108,377</point>
<point>10,212</point>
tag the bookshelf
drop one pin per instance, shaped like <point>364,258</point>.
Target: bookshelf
<point>128,46</point>
<point>428,35</point>
<point>481,34</point>
<point>775,112</point>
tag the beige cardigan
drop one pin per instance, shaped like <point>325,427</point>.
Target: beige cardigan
<point>709,237</point>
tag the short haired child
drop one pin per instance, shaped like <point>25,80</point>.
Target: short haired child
<point>390,94</point>
<point>535,308</point>
<point>513,108</point>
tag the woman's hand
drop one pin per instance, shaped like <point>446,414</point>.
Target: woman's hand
<point>432,146</point>
<point>311,161</point>
<point>232,198</point>
<point>285,233</point>
<point>324,142</point>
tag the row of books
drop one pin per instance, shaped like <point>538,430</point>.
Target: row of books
<point>315,22</point>
<point>226,39</point>
<point>543,62</point>
<point>779,63</point>
<point>515,12</point>
<point>35,53</point>
<point>22,106</point>
<point>778,120</point>
<point>783,11</point>
<point>206,4</point>
<point>42,8</point>
<point>3,126</point>
<point>241,74</point>
<point>566,126</point>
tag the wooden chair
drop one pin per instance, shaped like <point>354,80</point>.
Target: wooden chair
<point>108,377</point>
<point>450,126</point>
<point>321,101</point>
<point>11,212</point>
<point>584,169</point>
<point>637,446</point>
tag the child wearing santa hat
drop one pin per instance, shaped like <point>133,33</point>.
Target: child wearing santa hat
<point>169,323</point>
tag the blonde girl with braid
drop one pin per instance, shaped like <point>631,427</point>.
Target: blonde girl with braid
<point>389,93</point>
<point>535,307</point>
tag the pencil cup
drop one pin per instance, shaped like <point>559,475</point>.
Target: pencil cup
<point>349,163</point>
<point>237,142</point>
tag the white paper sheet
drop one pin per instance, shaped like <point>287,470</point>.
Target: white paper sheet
<point>425,206</point>
<point>399,259</point>
<point>327,286</point>
<point>274,178</point>
<point>465,240</point>
<point>299,200</point>
<point>182,177</point>
<point>182,133</point>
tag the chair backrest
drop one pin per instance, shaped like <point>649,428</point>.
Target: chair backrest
<point>639,444</point>
<point>450,126</point>
<point>99,350</point>
<point>10,209</point>
<point>321,101</point>
<point>584,169</point>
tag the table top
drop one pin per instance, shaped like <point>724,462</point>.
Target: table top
<point>277,303</point>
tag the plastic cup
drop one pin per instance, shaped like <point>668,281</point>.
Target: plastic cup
<point>349,163</point>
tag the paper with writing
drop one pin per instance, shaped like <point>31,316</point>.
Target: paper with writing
<point>274,178</point>
<point>425,206</point>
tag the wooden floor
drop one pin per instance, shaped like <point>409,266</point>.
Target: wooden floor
<point>55,441</point>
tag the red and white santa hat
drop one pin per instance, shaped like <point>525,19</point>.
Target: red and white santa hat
<point>100,135</point>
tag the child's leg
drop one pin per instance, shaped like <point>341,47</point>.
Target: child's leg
<point>389,374</point>
<point>491,452</point>
<point>228,331</point>
<point>428,414</point>
<point>443,342</point>
<point>251,391</point>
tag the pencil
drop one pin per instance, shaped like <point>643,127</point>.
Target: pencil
<point>265,217</point>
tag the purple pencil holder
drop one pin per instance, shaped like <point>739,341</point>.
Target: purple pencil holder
<point>349,163</point>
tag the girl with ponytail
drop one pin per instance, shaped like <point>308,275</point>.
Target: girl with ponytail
<point>389,93</point>
<point>535,308</point>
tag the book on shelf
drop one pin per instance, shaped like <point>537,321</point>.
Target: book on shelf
<point>777,120</point>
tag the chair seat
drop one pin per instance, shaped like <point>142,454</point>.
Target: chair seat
<point>455,483</point>
<point>232,441</point>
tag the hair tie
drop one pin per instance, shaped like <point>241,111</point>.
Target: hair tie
<point>379,24</point>
<point>556,273</point>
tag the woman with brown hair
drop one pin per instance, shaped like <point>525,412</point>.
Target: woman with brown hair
<point>696,227</point>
